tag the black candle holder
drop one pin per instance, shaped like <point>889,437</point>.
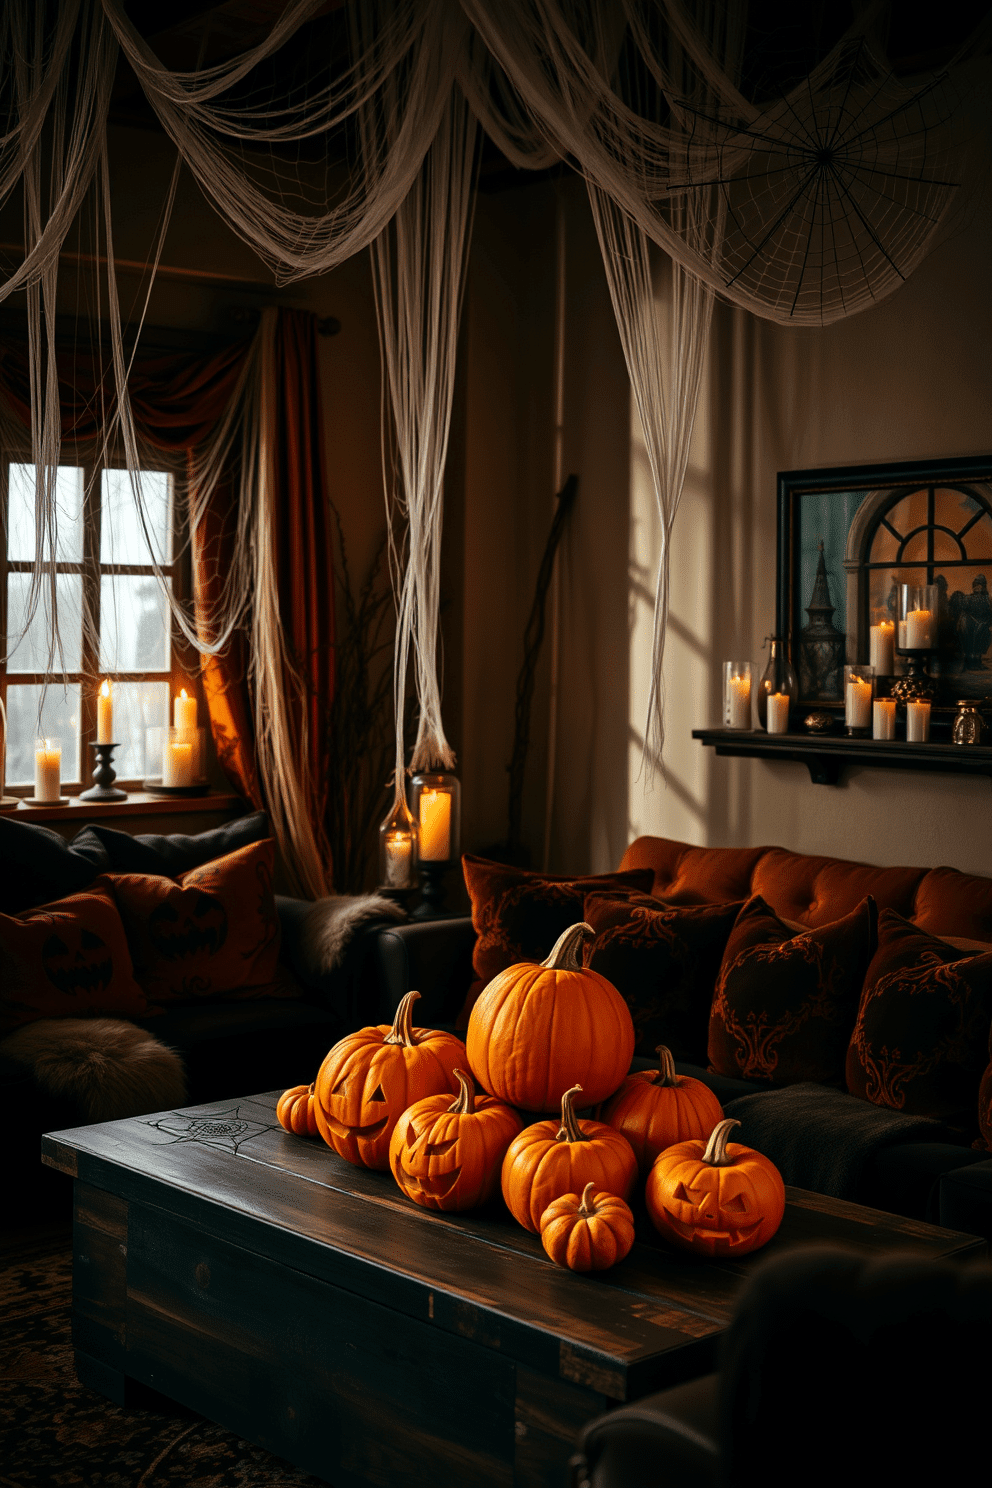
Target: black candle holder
<point>432,891</point>
<point>917,685</point>
<point>104,775</point>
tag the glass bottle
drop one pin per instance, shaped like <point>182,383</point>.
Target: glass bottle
<point>398,848</point>
<point>778,677</point>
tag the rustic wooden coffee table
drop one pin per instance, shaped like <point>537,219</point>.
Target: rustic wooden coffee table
<point>265,1283</point>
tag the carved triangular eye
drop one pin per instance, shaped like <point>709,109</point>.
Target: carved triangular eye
<point>377,1094</point>
<point>339,1087</point>
<point>738,1202</point>
<point>440,1147</point>
<point>680,1193</point>
<point>411,1134</point>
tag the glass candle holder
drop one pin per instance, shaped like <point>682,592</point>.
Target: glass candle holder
<point>737,694</point>
<point>48,769</point>
<point>777,680</point>
<point>859,688</point>
<point>398,848</point>
<point>917,612</point>
<point>435,802</point>
<point>175,758</point>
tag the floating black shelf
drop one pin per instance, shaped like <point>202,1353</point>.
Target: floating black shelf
<point>826,755</point>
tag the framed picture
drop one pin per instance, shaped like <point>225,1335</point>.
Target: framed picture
<point>849,537</point>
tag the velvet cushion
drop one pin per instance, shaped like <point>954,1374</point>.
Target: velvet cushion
<point>68,959</point>
<point>817,890</point>
<point>953,903</point>
<point>683,874</point>
<point>149,853</point>
<point>518,915</point>
<point>785,1004</point>
<point>921,1039</point>
<point>664,961</point>
<point>37,866</point>
<point>214,933</point>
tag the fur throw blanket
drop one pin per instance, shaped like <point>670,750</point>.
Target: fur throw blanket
<point>331,924</point>
<point>107,1067</point>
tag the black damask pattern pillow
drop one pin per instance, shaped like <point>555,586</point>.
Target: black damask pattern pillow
<point>663,959</point>
<point>785,1004</point>
<point>921,1040</point>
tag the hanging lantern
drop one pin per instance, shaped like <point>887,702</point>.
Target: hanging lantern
<point>435,802</point>
<point>398,848</point>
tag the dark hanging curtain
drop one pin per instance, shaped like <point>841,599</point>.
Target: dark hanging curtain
<point>177,399</point>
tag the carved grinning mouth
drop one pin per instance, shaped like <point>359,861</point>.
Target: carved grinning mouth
<point>340,1130</point>
<point>436,1187</point>
<point>696,1231</point>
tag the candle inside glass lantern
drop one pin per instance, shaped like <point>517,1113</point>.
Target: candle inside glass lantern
<point>778,712</point>
<point>48,770</point>
<point>398,848</point>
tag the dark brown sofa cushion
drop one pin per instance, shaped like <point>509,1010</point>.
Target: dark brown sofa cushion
<point>953,903</point>
<point>921,1040</point>
<point>785,1004</point>
<point>518,915</point>
<point>818,891</point>
<point>664,961</point>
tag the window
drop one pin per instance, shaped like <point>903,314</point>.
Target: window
<point>102,570</point>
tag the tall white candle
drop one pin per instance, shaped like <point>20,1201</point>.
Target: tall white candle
<point>105,714</point>
<point>777,704</point>
<point>184,711</point>
<point>882,648</point>
<point>857,704</point>
<point>48,771</point>
<point>919,630</point>
<point>435,826</point>
<point>883,719</point>
<point>917,723</point>
<point>399,854</point>
<point>739,703</point>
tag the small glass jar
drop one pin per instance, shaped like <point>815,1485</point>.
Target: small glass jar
<point>968,726</point>
<point>737,694</point>
<point>859,691</point>
<point>777,680</point>
<point>398,848</point>
<point>435,801</point>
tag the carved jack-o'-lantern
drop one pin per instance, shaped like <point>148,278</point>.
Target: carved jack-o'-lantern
<point>448,1156</point>
<point>200,927</point>
<point>371,1077</point>
<point>87,968</point>
<point>715,1198</point>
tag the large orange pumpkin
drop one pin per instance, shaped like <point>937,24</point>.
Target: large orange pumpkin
<point>449,1157</point>
<point>369,1079</point>
<point>539,1028</point>
<point>294,1110</point>
<point>550,1159</point>
<point>716,1198</point>
<point>587,1234</point>
<point>657,1108</point>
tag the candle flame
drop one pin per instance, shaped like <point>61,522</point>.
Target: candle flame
<point>105,689</point>
<point>183,693</point>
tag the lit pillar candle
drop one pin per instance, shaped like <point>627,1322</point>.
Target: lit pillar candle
<point>917,723</point>
<point>857,703</point>
<point>48,771</point>
<point>739,703</point>
<point>883,721</point>
<point>919,630</point>
<point>177,762</point>
<point>777,704</point>
<point>184,711</point>
<point>882,648</point>
<point>435,826</point>
<point>399,856</point>
<point>105,715</point>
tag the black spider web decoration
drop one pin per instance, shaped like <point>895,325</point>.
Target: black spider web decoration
<point>224,1131</point>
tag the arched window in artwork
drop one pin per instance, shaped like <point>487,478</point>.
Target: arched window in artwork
<point>929,534</point>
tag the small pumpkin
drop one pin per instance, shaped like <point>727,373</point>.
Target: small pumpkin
<point>657,1108</point>
<point>716,1198</point>
<point>371,1077</point>
<point>448,1156</point>
<point>294,1110</point>
<point>540,1027</point>
<point>587,1234</point>
<point>550,1159</point>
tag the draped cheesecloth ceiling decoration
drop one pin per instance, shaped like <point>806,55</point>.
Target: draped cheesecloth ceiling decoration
<point>803,207</point>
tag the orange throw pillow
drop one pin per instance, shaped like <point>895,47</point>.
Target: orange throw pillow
<point>213,932</point>
<point>68,959</point>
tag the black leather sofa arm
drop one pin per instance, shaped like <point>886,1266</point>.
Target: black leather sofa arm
<point>670,1437</point>
<point>432,957</point>
<point>965,1199</point>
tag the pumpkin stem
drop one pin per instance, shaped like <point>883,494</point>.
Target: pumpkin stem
<point>402,1029</point>
<point>566,955</point>
<point>465,1103</point>
<point>716,1148</point>
<point>587,1208</point>
<point>310,1088</point>
<point>666,1068</point>
<point>570,1131</point>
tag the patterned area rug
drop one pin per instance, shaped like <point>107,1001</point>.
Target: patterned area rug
<point>54,1433</point>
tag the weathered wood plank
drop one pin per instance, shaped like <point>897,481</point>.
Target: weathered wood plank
<point>99,1275</point>
<point>549,1416</point>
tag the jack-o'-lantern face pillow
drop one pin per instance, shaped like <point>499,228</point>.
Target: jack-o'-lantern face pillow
<point>213,932</point>
<point>68,959</point>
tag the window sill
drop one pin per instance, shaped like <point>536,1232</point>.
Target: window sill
<point>138,803</point>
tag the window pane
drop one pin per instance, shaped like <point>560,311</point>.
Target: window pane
<point>59,719</point>
<point>134,624</point>
<point>68,515</point>
<point>122,538</point>
<point>30,653</point>
<point>138,706</point>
